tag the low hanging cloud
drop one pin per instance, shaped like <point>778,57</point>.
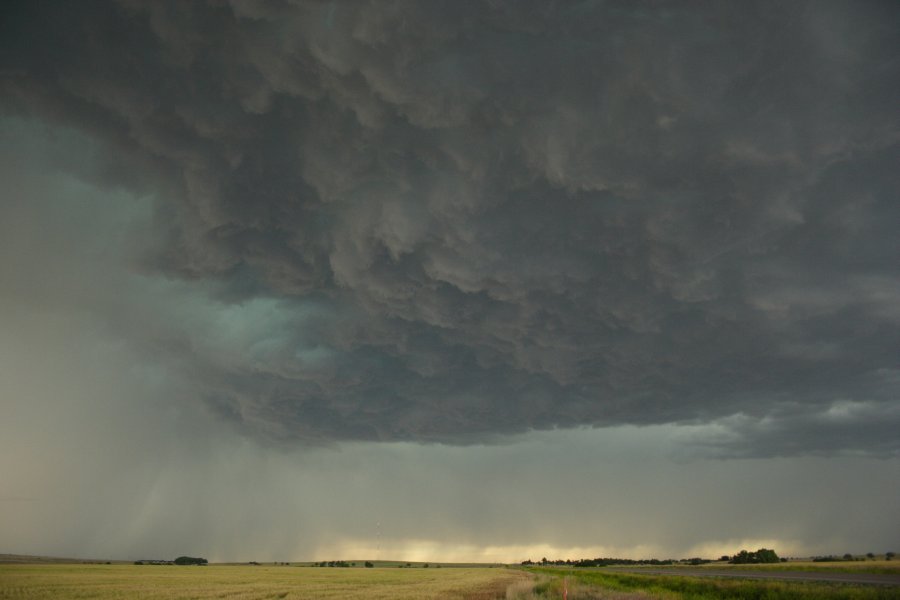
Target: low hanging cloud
<point>445,222</point>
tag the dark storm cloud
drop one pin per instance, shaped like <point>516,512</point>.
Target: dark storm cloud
<point>445,221</point>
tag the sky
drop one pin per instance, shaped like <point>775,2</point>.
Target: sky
<point>449,281</point>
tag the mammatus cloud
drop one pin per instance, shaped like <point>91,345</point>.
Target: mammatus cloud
<point>448,222</point>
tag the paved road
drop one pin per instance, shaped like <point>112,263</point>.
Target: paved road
<point>826,576</point>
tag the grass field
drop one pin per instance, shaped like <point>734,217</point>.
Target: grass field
<point>244,582</point>
<point>866,566</point>
<point>860,566</point>
<point>595,583</point>
<point>101,582</point>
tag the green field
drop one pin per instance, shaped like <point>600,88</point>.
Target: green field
<point>71,581</point>
<point>860,566</point>
<point>808,566</point>
<point>599,583</point>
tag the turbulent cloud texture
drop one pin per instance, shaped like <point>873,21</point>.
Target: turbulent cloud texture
<point>451,221</point>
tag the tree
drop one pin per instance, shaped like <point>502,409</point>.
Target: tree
<point>190,560</point>
<point>763,555</point>
<point>369,565</point>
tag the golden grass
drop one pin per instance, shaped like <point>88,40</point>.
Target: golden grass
<point>101,582</point>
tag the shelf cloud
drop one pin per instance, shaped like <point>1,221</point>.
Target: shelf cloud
<point>455,222</point>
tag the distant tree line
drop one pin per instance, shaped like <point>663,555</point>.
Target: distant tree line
<point>763,555</point>
<point>334,563</point>
<point>600,562</point>
<point>181,560</point>
<point>849,557</point>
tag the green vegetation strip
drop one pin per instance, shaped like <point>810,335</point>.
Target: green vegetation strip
<point>877,567</point>
<point>709,588</point>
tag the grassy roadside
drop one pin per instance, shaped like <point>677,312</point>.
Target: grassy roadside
<point>593,583</point>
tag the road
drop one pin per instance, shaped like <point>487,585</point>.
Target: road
<point>820,576</point>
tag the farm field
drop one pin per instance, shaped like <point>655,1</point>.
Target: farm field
<point>100,582</point>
